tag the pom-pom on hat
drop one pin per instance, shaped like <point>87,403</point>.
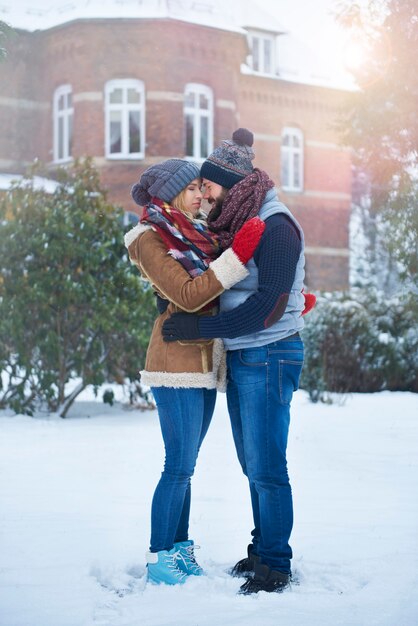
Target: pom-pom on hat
<point>231,161</point>
<point>164,180</point>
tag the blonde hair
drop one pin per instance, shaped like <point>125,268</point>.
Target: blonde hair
<point>178,201</point>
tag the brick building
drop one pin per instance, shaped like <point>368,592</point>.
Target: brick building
<point>132,91</point>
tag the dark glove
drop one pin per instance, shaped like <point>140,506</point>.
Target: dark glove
<point>181,326</point>
<point>161,303</point>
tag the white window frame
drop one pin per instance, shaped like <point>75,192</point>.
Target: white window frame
<point>125,108</point>
<point>65,115</point>
<point>198,114</point>
<point>288,153</point>
<point>130,218</point>
<point>262,39</point>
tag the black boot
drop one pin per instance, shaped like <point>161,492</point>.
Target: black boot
<point>265,579</point>
<point>245,567</point>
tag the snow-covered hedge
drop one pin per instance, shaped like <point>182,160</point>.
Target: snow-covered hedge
<point>360,342</point>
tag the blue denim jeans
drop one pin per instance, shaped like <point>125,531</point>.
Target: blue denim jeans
<point>185,415</point>
<point>261,382</point>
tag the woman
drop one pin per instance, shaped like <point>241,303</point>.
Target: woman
<point>178,255</point>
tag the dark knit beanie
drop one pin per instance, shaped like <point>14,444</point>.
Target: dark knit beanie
<point>231,162</point>
<point>164,180</point>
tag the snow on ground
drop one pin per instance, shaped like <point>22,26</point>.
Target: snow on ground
<point>74,520</point>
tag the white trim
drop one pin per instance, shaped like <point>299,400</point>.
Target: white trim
<point>197,115</point>
<point>226,104</point>
<point>327,145</point>
<point>65,115</point>
<point>125,108</point>
<point>165,96</point>
<point>216,379</point>
<point>228,269</point>
<point>265,137</point>
<point>88,96</point>
<point>178,379</point>
<point>327,195</point>
<point>22,103</point>
<point>322,251</point>
<point>219,364</point>
<point>134,233</point>
<point>288,153</point>
<point>311,143</point>
<point>151,557</point>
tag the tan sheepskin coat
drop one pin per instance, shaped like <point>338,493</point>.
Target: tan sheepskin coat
<point>196,363</point>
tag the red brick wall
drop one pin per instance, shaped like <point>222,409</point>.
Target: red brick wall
<point>166,55</point>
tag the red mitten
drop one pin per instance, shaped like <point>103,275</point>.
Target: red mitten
<point>247,239</point>
<point>310,301</point>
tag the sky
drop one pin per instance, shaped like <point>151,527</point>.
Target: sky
<point>314,47</point>
<point>314,25</point>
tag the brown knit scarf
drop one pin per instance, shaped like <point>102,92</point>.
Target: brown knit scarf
<point>241,203</point>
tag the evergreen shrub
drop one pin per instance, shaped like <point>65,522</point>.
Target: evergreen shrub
<point>73,309</point>
<point>360,342</point>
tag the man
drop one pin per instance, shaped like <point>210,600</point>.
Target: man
<point>259,319</point>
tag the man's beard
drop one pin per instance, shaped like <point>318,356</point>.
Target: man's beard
<point>217,203</point>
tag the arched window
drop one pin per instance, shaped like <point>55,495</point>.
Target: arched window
<point>198,117</point>
<point>63,114</point>
<point>292,160</point>
<point>125,119</point>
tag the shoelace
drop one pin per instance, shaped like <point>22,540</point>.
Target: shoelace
<point>171,560</point>
<point>190,560</point>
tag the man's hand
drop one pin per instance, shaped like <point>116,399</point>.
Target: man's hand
<point>181,326</point>
<point>161,303</point>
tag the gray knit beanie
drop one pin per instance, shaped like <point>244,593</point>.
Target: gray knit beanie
<point>231,161</point>
<point>164,180</point>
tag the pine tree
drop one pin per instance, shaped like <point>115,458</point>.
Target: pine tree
<point>381,124</point>
<point>5,33</point>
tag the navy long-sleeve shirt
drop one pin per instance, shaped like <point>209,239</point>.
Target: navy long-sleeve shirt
<point>276,258</point>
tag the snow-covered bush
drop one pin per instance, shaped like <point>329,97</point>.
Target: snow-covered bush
<point>361,342</point>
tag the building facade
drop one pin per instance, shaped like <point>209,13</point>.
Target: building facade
<point>132,92</point>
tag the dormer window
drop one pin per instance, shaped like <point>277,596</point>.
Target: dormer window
<point>263,52</point>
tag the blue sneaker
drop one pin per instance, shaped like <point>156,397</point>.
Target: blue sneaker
<point>163,567</point>
<point>187,562</point>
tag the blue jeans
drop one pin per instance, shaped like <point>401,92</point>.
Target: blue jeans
<point>261,382</point>
<point>185,415</point>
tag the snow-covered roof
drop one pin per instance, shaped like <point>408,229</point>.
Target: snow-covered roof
<point>232,15</point>
<point>39,183</point>
<point>296,61</point>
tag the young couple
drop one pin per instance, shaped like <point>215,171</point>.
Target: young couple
<point>231,283</point>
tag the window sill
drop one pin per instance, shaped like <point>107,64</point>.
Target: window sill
<point>65,161</point>
<point>125,157</point>
<point>246,69</point>
<point>293,192</point>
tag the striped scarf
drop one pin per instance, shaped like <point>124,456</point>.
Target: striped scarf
<point>188,241</point>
